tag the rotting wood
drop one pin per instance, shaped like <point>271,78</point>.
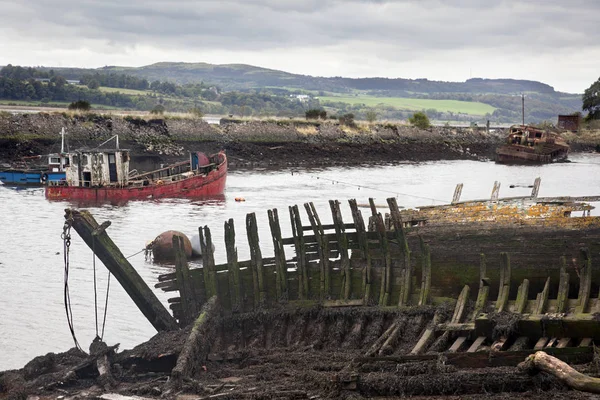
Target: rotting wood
<point>562,371</point>
<point>457,193</point>
<point>256,264</point>
<point>563,287</point>
<point>484,288</point>
<point>299,245</point>
<point>322,248</point>
<point>343,248</point>
<point>522,294</point>
<point>504,289</point>
<point>406,281</point>
<point>461,305</point>
<point>208,262</point>
<point>585,281</point>
<point>197,345</point>
<point>281,288</point>
<point>428,336</point>
<point>110,255</point>
<point>359,225</point>
<point>235,284</point>
<point>476,344</point>
<point>424,294</point>
<point>386,276</point>
<point>189,300</point>
<point>542,299</point>
<point>382,339</point>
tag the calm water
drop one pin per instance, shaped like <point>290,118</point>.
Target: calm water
<point>32,316</point>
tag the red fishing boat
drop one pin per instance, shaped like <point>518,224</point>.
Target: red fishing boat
<point>103,175</point>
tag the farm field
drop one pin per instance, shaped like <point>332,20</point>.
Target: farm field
<point>455,106</point>
<point>124,91</point>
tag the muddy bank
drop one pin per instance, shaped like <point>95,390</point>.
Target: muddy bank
<point>253,143</point>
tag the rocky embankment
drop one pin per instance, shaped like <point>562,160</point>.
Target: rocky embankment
<point>249,143</point>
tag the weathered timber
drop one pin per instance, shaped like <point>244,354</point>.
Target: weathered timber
<point>484,288</point>
<point>495,191</point>
<point>386,276</point>
<point>461,305</point>
<point>189,300</point>
<point>256,261</point>
<point>208,263</point>
<point>343,248</point>
<point>427,338</point>
<point>542,299</point>
<point>298,234</point>
<point>522,294</point>
<point>585,281</point>
<point>323,250</point>
<point>235,284</point>
<point>504,289</point>
<point>457,193</point>
<point>281,288</point>
<point>197,345</point>
<point>406,276</point>
<point>424,294</point>
<point>552,365</point>
<point>359,225</point>
<point>110,255</point>
<point>563,287</point>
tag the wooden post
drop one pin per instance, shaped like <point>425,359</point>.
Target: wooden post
<point>363,243</point>
<point>542,298</point>
<point>298,234</point>
<point>504,290</point>
<point>457,193</point>
<point>258,277</point>
<point>484,288</point>
<point>425,296</point>
<point>110,255</point>
<point>280,261</point>
<point>563,287</point>
<point>461,305</point>
<point>233,269</point>
<point>405,285</point>
<point>585,281</point>
<point>495,191</point>
<point>536,187</point>
<point>342,240</point>
<point>189,300</point>
<point>522,295</point>
<point>322,249</point>
<point>386,277</point>
<point>208,262</point>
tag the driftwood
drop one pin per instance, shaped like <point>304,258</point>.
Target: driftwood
<point>562,371</point>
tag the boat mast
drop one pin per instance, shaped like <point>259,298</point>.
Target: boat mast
<point>62,141</point>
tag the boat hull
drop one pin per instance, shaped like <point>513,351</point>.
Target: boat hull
<point>509,154</point>
<point>29,177</point>
<point>197,186</point>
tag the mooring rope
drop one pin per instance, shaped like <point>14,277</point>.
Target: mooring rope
<point>378,190</point>
<point>66,236</point>
<point>101,336</point>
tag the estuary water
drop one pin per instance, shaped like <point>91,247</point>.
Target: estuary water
<point>32,312</point>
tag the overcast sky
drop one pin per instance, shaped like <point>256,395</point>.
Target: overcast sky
<point>553,41</point>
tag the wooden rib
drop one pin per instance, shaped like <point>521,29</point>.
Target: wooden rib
<point>299,245</point>
<point>363,244</point>
<point>522,295</point>
<point>189,301</point>
<point>208,263</point>
<point>457,193</point>
<point>386,277</point>
<point>585,281</point>
<point>476,344</point>
<point>256,265</point>
<point>406,281</point>
<point>424,295</point>
<point>343,248</point>
<point>563,287</point>
<point>461,305</point>
<point>541,343</point>
<point>280,261</point>
<point>504,289</point>
<point>322,248</point>
<point>458,344</point>
<point>542,298</point>
<point>233,269</point>
<point>484,288</point>
<point>564,342</point>
<point>585,342</point>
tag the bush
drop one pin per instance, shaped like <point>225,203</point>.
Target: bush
<point>196,112</point>
<point>347,119</point>
<point>81,105</point>
<point>158,109</point>
<point>371,116</point>
<point>420,120</point>
<point>315,113</point>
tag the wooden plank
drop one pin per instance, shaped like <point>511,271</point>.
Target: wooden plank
<point>563,287</point>
<point>425,293</point>
<point>504,289</point>
<point>542,298</point>
<point>256,264</point>
<point>208,262</point>
<point>484,288</point>
<point>522,294</point>
<point>281,289</point>
<point>563,342</point>
<point>428,336</point>
<point>364,248</point>
<point>461,305</point>
<point>541,343</point>
<point>235,284</point>
<point>189,300</point>
<point>458,344</point>
<point>551,343</point>
<point>585,281</point>
<point>457,193</point>
<point>386,276</point>
<point>585,342</point>
<point>112,258</point>
<point>323,249</point>
<point>476,344</point>
<point>406,276</point>
<point>299,245</point>
<point>343,247</point>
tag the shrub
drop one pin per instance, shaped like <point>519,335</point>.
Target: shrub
<point>81,105</point>
<point>315,113</point>
<point>371,116</point>
<point>158,109</point>
<point>347,119</point>
<point>420,120</point>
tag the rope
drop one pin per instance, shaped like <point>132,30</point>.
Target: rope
<point>105,306</point>
<point>66,236</point>
<point>379,190</point>
<point>100,336</point>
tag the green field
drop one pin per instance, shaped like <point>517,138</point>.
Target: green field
<point>124,91</point>
<point>403,103</point>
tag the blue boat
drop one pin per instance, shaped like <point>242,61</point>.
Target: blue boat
<point>54,171</point>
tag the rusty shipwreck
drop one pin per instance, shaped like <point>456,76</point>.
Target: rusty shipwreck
<point>529,145</point>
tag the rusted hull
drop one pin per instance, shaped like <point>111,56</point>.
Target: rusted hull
<point>198,186</point>
<point>528,155</point>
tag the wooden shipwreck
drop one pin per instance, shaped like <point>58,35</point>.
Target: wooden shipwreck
<point>476,284</point>
<point>528,145</point>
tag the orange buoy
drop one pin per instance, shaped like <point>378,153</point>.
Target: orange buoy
<point>162,246</point>
<point>240,199</point>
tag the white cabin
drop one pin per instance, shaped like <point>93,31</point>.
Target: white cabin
<point>96,168</point>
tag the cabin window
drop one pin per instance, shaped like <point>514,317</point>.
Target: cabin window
<point>84,160</point>
<point>54,160</point>
<point>75,160</point>
<point>125,157</point>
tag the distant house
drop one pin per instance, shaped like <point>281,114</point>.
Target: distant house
<point>42,79</point>
<point>301,97</point>
<point>569,122</point>
<point>73,81</point>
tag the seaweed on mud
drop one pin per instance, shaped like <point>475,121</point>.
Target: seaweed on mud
<point>505,324</point>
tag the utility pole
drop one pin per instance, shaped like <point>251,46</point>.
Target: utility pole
<point>523,107</point>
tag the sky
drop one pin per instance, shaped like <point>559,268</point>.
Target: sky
<point>552,41</point>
